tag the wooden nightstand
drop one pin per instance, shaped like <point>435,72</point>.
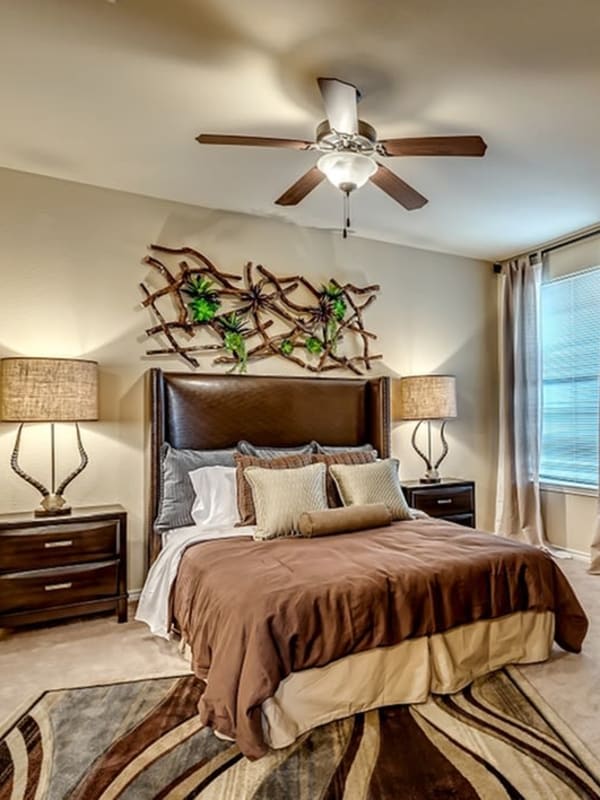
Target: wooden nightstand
<point>452,499</point>
<point>57,567</point>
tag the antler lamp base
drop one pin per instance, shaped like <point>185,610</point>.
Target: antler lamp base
<point>432,474</point>
<point>53,503</point>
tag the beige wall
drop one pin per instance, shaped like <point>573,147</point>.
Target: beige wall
<point>70,266</point>
<point>569,519</point>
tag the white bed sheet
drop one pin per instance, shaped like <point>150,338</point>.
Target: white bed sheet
<point>154,606</point>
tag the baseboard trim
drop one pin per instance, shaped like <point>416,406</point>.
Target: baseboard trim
<point>576,555</point>
<point>133,595</point>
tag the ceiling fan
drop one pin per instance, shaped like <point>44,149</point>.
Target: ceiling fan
<point>350,148</point>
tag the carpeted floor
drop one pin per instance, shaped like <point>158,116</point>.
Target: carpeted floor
<point>570,682</point>
<point>99,651</point>
<point>141,741</point>
<point>80,653</point>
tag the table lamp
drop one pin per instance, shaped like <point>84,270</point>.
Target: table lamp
<point>49,390</point>
<point>426,398</point>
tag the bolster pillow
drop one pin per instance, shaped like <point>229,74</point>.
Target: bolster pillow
<point>344,520</point>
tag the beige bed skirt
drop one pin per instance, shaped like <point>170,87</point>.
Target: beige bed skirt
<point>406,673</point>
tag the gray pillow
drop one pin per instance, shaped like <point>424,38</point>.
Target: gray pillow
<point>176,490</point>
<point>331,450</point>
<point>247,449</point>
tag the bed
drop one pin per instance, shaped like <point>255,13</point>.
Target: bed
<point>291,633</point>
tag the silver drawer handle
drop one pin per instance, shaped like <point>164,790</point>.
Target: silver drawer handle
<point>52,587</point>
<point>444,502</point>
<point>62,543</point>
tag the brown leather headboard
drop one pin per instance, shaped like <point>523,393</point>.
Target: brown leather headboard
<point>209,412</point>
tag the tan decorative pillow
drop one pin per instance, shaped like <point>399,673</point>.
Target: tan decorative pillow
<point>344,520</point>
<point>282,495</point>
<point>244,494</point>
<point>363,484</point>
<point>341,457</point>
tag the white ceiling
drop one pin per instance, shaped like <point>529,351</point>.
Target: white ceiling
<point>113,94</point>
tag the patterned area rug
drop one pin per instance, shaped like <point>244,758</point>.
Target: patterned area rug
<point>142,741</point>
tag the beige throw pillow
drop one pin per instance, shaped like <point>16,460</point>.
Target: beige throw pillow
<point>342,457</point>
<point>362,484</point>
<point>244,493</point>
<point>281,495</point>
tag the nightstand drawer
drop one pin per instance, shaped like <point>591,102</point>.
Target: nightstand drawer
<point>20,591</point>
<point>57,545</point>
<point>445,501</point>
<point>468,520</point>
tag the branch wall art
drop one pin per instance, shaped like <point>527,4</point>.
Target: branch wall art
<point>256,315</point>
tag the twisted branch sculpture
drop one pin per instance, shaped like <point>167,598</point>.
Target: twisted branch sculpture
<point>239,311</point>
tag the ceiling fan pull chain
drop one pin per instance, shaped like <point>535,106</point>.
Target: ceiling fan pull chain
<point>346,215</point>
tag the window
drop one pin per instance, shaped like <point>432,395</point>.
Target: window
<point>571,366</point>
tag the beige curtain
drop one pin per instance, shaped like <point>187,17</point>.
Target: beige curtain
<point>518,510</point>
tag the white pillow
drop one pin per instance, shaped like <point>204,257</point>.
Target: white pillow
<point>215,505</point>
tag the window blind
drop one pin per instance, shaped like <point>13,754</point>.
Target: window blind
<point>570,327</point>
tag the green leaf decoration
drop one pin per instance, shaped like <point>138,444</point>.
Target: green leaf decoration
<point>205,301</point>
<point>331,290</point>
<point>203,309</point>
<point>199,287</point>
<point>314,345</point>
<point>233,328</point>
<point>234,323</point>
<point>333,335</point>
<point>332,301</point>
<point>233,342</point>
<point>286,347</point>
<point>339,308</point>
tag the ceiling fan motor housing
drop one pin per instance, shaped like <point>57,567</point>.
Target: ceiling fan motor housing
<point>364,141</point>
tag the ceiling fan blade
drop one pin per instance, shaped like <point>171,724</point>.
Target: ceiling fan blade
<point>254,141</point>
<point>397,189</point>
<point>303,186</point>
<point>435,146</point>
<point>340,100</point>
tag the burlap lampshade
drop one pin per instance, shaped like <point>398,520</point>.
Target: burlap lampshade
<point>424,397</point>
<point>48,390</point>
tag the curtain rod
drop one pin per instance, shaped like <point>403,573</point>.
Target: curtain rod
<point>572,240</point>
<point>557,245</point>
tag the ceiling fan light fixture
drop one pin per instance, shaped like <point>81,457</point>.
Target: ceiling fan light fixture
<point>347,170</point>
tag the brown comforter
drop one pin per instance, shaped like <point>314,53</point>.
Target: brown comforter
<point>253,612</point>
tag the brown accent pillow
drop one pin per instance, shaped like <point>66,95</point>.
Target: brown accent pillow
<point>244,492</point>
<point>344,520</point>
<point>346,457</point>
